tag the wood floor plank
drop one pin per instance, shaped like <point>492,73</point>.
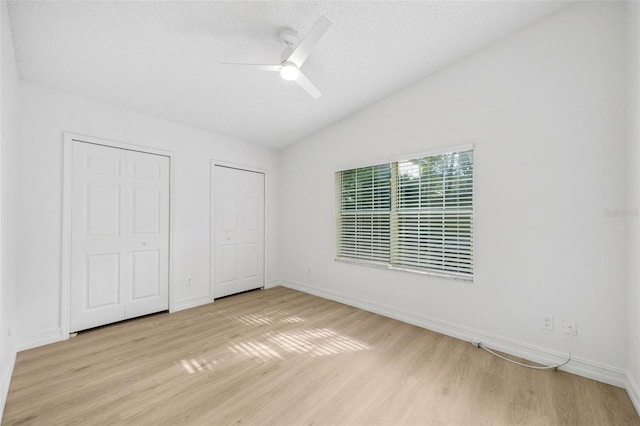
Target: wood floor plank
<point>281,357</point>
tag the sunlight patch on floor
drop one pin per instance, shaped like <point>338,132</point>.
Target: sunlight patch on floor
<point>276,345</point>
<point>292,319</point>
<point>254,349</point>
<point>266,318</point>
<point>253,319</point>
<point>317,342</point>
<point>194,365</point>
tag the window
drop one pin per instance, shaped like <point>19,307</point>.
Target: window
<point>365,206</point>
<point>413,214</point>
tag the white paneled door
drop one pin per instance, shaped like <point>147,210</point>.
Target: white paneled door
<point>238,228</point>
<point>119,235</point>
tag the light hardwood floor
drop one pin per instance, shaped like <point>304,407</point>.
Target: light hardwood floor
<point>283,357</point>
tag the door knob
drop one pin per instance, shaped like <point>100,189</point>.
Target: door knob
<point>144,243</point>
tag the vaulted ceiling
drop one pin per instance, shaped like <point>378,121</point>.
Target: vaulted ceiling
<point>163,58</point>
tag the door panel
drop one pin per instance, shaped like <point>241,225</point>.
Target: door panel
<point>103,209</point>
<point>119,235</point>
<point>250,260</point>
<point>146,277</point>
<point>103,164</point>
<point>146,170</point>
<point>229,263</point>
<point>146,211</point>
<point>238,228</point>
<point>251,214</point>
<point>230,213</point>
<point>102,281</point>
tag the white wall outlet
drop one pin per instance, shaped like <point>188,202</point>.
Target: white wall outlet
<point>546,321</point>
<point>189,282</point>
<point>569,327</point>
<point>309,271</point>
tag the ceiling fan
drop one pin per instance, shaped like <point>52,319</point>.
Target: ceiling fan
<point>294,55</point>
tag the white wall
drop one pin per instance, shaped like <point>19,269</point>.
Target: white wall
<point>44,116</point>
<point>8,198</point>
<point>545,109</point>
<point>633,220</point>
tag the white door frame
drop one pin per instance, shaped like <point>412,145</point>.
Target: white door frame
<point>65,293</point>
<point>215,163</point>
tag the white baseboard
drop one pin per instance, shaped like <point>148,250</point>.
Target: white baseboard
<point>271,284</point>
<point>634,391</point>
<point>7,373</point>
<point>39,339</point>
<point>582,367</point>
<point>191,303</point>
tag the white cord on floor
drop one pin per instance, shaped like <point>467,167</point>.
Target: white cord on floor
<point>535,367</point>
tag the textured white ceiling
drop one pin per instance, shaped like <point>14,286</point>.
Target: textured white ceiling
<point>163,58</point>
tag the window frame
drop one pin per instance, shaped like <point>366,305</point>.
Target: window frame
<point>394,212</point>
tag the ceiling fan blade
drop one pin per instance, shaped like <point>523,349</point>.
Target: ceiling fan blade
<point>256,66</point>
<point>302,52</point>
<point>307,85</point>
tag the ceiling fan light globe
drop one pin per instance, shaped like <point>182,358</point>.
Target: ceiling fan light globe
<point>289,71</point>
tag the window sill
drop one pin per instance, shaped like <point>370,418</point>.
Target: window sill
<point>449,276</point>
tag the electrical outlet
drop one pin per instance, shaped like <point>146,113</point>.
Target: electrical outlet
<point>569,327</point>
<point>189,282</point>
<point>309,271</point>
<point>546,321</point>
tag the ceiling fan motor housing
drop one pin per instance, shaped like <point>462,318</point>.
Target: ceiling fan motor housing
<point>290,38</point>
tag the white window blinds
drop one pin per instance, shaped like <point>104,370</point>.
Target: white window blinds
<point>415,214</point>
<point>364,203</point>
<point>434,214</point>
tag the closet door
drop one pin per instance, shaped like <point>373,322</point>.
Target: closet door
<point>119,235</point>
<point>238,224</point>
<point>147,236</point>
